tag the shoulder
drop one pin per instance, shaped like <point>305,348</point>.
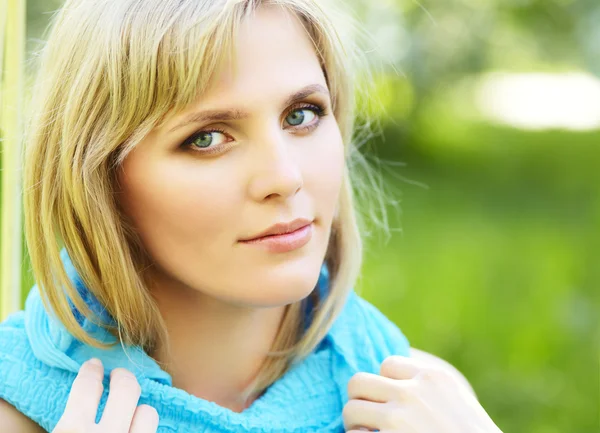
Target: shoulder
<point>15,422</point>
<point>31,392</point>
<point>430,359</point>
<point>13,341</point>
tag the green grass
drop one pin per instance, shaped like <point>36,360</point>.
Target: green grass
<point>496,267</point>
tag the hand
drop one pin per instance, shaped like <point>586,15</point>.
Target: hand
<point>120,414</point>
<point>410,396</point>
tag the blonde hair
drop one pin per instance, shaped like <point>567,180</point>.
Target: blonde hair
<point>110,72</point>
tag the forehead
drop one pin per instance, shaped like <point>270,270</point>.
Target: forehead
<point>272,56</point>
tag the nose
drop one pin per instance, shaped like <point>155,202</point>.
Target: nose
<point>276,170</point>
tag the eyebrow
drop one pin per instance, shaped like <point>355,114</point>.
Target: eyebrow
<point>225,115</point>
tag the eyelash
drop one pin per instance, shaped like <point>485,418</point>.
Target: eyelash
<point>319,111</point>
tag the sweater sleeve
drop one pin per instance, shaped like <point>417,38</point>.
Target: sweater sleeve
<point>386,336</point>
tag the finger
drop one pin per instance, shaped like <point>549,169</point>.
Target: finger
<point>145,420</point>
<point>359,414</point>
<point>84,397</point>
<point>399,367</point>
<point>122,401</point>
<point>380,389</point>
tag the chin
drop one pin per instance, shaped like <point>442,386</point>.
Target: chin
<point>279,295</point>
<point>278,290</point>
<point>279,280</point>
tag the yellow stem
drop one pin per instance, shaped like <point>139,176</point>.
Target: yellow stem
<point>11,117</point>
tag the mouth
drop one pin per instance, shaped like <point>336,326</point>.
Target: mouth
<point>284,242</point>
<point>281,228</point>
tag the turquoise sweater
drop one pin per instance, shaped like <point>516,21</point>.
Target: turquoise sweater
<point>39,360</point>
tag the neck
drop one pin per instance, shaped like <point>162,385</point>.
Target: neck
<point>216,349</point>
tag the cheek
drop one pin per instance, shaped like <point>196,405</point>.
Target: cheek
<point>325,172</point>
<point>167,203</point>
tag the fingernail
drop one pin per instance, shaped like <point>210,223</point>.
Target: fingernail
<point>95,361</point>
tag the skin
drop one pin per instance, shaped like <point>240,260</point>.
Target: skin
<point>223,301</point>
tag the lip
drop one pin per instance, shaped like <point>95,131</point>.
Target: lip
<point>281,228</point>
<point>284,242</point>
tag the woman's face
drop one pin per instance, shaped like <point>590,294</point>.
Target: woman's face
<point>194,191</point>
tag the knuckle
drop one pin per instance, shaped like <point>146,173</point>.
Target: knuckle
<point>394,362</point>
<point>392,416</point>
<point>126,380</point>
<point>401,392</point>
<point>387,365</point>
<point>90,373</point>
<point>408,392</point>
<point>90,368</point>
<point>120,371</point>
<point>356,381</point>
<point>390,360</point>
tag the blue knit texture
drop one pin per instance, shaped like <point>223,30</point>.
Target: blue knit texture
<point>39,360</point>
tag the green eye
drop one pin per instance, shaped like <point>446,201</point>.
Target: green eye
<point>297,117</point>
<point>205,139</point>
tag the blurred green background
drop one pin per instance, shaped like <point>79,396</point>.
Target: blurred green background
<point>491,263</point>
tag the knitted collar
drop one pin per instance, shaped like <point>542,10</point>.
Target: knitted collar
<point>315,386</point>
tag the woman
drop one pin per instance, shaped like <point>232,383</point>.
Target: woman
<point>193,161</point>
